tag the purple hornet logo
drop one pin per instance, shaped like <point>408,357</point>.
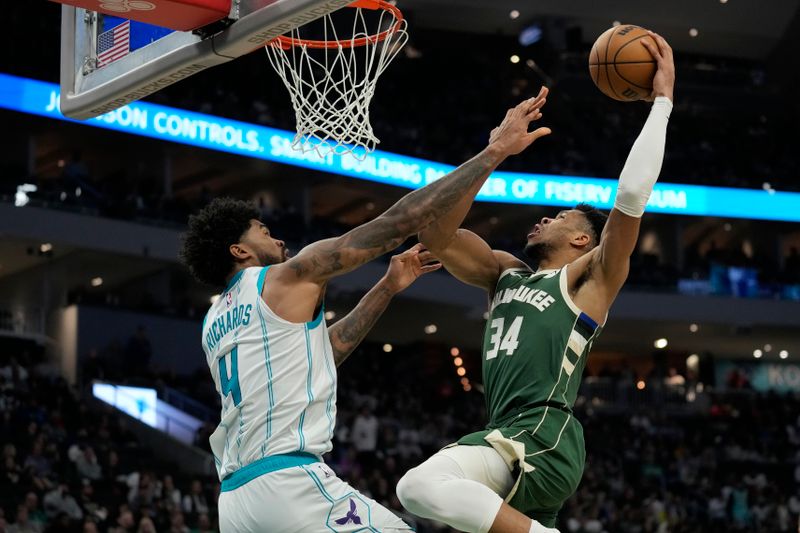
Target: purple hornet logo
<point>351,515</point>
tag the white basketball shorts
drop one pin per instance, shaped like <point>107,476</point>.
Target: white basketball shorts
<point>307,498</point>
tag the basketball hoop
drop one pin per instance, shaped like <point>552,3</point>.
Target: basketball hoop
<point>331,80</point>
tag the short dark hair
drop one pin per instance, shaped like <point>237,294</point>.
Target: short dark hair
<point>596,219</point>
<point>211,233</point>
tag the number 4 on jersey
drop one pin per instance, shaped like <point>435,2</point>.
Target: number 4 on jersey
<point>509,341</point>
<point>230,385</point>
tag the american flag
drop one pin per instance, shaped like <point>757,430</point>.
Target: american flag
<point>113,44</point>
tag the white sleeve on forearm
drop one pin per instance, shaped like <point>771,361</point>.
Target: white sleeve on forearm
<point>644,162</point>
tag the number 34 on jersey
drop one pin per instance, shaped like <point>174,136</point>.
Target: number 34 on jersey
<point>503,340</point>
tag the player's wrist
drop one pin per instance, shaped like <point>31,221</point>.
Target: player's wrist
<point>495,153</point>
<point>664,93</point>
<point>387,284</point>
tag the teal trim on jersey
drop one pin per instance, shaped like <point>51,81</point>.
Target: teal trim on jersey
<point>319,485</point>
<point>309,391</point>
<point>332,396</point>
<point>236,277</point>
<point>260,282</point>
<point>325,495</point>
<point>265,339</point>
<point>271,463</point>
<point>314,323</point>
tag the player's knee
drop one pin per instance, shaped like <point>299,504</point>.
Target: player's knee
<point>413,491</point>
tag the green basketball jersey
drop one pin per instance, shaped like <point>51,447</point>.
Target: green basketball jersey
<point>535,345</point>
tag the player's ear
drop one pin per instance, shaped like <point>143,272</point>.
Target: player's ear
<point>581,239</point>
<point>238,251</point>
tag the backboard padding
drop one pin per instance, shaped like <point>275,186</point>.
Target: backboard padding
<point>87,92</point>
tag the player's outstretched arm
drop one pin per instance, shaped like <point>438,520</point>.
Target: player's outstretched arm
<point>638,176</point>
<point>470,259</point>
<point>403,270</point>
<point>463,253</point>
<point>322,260</point>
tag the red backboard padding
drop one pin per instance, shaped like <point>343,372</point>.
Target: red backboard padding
<point>182,15</point>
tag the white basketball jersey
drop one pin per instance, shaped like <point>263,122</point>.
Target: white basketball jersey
<point>276,379</point>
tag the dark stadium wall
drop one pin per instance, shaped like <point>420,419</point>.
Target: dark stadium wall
<point>175,342</point>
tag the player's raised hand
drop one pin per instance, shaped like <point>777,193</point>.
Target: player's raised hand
<point>512,135</point>
<point>406,267</point>
<point>664,80</point>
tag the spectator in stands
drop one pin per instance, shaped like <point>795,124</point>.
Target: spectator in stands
<point>22,523</point>
<point>93,367</point>
<point>15,374</point>
<point>195,502</point>
<point>138,353</point>
<point>146,525</point>
<point>87,465</point>
<point>59,502</point>
<point>125,521</point>
<point>169,495</point>
<point>35,513</point>
<point>177,523</point>
<point>364,436</point>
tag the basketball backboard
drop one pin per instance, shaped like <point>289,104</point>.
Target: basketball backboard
<point>108,61</point>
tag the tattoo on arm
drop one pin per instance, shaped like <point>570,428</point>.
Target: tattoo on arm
<point>411,214</point>
<point>348,333</point>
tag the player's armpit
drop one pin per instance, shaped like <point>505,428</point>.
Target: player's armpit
<point>470,259</point>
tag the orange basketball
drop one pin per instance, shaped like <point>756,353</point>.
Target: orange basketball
<point>620,65</point>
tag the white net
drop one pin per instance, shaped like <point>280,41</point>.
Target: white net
<point>331,81</point>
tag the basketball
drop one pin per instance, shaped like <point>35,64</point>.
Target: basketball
<point>620,65</point>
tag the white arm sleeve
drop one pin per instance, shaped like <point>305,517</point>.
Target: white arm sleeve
<point>644,162</point>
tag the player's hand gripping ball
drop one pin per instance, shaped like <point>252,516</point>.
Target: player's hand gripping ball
<point>620,65</point>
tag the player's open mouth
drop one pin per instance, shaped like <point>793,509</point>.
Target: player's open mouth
<point>537,229</point>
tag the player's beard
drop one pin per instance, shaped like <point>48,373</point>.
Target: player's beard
<point>537,251</point>
<point>269,259</point>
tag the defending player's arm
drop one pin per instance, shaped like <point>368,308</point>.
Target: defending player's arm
<point>463,253</point>
<point>637,178</point>
<point>320,261</point>
<point>404,268</point>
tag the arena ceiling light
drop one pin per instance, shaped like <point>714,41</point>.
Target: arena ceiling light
<point>454,351</point>
<point>783,354</point>
<point>693,32</point>
<point>46,247</point>
<point>330,315</point>
<point>757,353</point>
<point>514,14</point>
<point>97,281</point>
<point>661,343</point>
<point>430,329</point>
<point>514,59</point>
<point>693,328</point>
<point>387,348</point>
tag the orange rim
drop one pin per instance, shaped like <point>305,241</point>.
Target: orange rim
<point>289,42</point>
